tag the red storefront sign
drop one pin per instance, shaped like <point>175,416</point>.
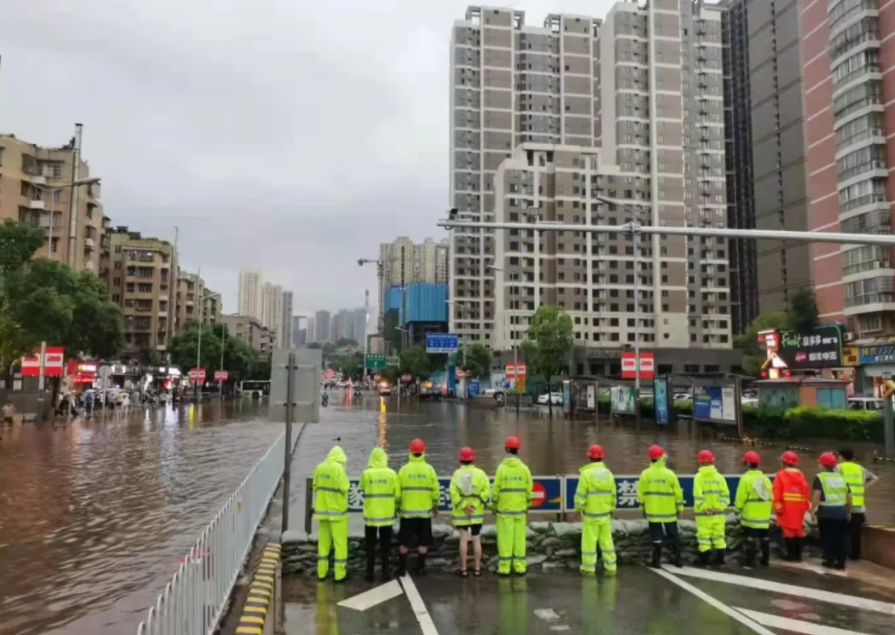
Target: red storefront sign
<point>82,371</point>
<point>197,374</point>
<point>221,375</point>
<point>515,370</point>
<point>629,366</point>
<point>53,362</point>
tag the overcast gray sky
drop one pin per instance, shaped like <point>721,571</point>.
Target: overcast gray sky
<point>289,136</point>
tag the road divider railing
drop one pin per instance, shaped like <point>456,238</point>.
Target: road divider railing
<point>552,494</point>
<point>196,598</point>
<point>259,612</point>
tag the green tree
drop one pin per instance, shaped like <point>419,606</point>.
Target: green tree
<point>477,360</point>
<point>549,341</point>
<point>415,362</point>
<point>802,315</point>
<point>186,348</point>
<point>753,354</point>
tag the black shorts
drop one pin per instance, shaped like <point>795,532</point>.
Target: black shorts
<point>417,530</point>
<point>475,529</point>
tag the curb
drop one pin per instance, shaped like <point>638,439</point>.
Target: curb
<point>257,605</point>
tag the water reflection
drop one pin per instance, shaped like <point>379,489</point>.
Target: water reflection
<point>94,515</point>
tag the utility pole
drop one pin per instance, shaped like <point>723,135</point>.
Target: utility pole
<point>221,367</point>
<point>366,336</point>
<point>198,347</point>
<point>73,195</point>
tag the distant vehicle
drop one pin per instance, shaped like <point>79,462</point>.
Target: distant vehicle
<point>253,389</point>
<point>385,389</point>
<point>871,404</point>
<point>554,397</point>
<point>680,396</point>
<point>495,393</point>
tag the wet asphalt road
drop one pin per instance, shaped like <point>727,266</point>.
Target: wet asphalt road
<point>638,600</point>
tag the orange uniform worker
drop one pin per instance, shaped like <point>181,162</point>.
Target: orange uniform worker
<point>792,499</point>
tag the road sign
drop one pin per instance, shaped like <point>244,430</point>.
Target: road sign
<point>461,374</point>
<point>197,374</point>
<point>406,378</point>
<point>515,370</point>
<point>376,361</point>
<point>539,494</point>
<point>393,361</point>
<point>305,384</point>
<point>221,375</point>
<point>629,366</point>
<point>441,343</point>
<point>472,388</point>
<point>53,362</point>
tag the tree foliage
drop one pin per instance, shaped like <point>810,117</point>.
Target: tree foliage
<point>415,362</point>
<point>239,359</point>
<point>46,301</point>
<point>549,341</point>
<point>802,315</point>
<point>477,362</point>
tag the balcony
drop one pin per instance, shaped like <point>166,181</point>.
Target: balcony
<point>89,244</point>
<point>37,204</point>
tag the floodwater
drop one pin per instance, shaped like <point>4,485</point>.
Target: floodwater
<point>549,447</point>
<point>94,516</point>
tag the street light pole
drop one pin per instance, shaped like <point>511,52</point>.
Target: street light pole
<point>507,329</point>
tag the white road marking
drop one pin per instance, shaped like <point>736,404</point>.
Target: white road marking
<point>795,626</point>
<point>418,606</point>
<point>790,589</point>
<point>705,597</point>
<point>548,615</point>
<point>377,595</point>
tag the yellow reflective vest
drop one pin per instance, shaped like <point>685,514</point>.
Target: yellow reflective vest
<point>710,492</point>
<point>331,487</point>
<point>381,489</point>
<point>469,487</point>
<point>754,499</point>
<point>659,493</point>
<point>855,477</point>
<point>512,488</point>
<point>596,497</point>
<point>419,488</point>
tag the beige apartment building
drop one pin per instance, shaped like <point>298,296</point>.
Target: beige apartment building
<point>404,261</point>
<point>249,330</point>
<point>629,109</point>
<point>139,279</point>
<point>211,307</point>
<point>36,188</point>
<point>196,302</point>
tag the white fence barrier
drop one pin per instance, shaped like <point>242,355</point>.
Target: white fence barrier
<point>194,601</point>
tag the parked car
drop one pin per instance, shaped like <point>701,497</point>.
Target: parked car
<point>554,397</point>
<point>871,404</point>
<point>385,389</point>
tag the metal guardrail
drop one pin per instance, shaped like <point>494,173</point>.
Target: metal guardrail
<point>196,598</point>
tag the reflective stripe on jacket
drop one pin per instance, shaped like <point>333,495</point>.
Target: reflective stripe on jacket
<point>595,498</point>
<point>659,493</point>
<point>791,497</point>
<point>856,477</point>
<point>419,488</point>
<point>512,487</point>
<point>381,489</point>
<point>710,491</point>
<point>331,486</point>
<point>469,486</point>
<point>753,501</point>
<point>835,489</point>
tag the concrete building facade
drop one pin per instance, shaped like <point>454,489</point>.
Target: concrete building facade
<point>322,327</point>
<point>190,300</point>
<point>249,330</point>
<point>404,262</point>
<point>36,188</point>
<point>284,339</point>
<point>250,283</point>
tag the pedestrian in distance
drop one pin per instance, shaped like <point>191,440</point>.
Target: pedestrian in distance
<point>711,498</point>
<point>511,499</point>
<point>382,492</point>
<point>662,502</point>
<point>419,503</point>
<point>859,480</point>
<point>470,494</point>
<point>753,506</point>
<point>831,505</point>
<point>330,486</point>
<point>595,501</point>
<point>791,503</point>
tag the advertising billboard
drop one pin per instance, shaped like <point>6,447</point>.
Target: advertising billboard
<point>714,403</point>
<point>660,392</point>
<point>622,399</point>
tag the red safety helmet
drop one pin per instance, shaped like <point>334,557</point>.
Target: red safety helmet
<point>467,454</point>
<point>417,446</point>
<point>751,457</point>
<point>828,459</point>
<point>705,456</point>
<point>512,443</point>
<point>595,452</point>
<point>790,458</point>
<point>655,452</point>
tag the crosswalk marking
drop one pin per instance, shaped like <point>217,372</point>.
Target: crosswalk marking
<point>374,596</point>
<point>789,589</point>
<point>795,626</point>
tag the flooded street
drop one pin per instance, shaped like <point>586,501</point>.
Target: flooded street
<point>95,516</point>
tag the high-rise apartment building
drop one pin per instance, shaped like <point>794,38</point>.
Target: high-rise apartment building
<point>139,280</point>
<point>646,85</point>
<point>250,283</point>
<point>404,262</point>
<point>322,327</point>
<point>190,300</point>
<point>360,323</point>
<point>285,331</point>
<point>311,330</point>
<point>272,307</point>
<point>37,190</point>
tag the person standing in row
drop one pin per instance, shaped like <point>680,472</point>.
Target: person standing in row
<point>711,498</point>
<point>831,506</point>
<point>662,501</point>
<point>753,506</point>
<point>512,498</point>
<point>470,493</point>
<point>419,503</point>
<point>791,502</point>
<point>382,491</point>
<point>595,501</point>
<point>330,486</point>
<point>859,480</point>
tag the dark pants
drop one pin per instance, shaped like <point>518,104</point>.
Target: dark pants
<point>385,539</point>
<point>757,539</point>
<point>664,532</point>
<point>855,529</point>
<point>833,539</point>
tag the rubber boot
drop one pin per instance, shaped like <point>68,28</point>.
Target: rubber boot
<point>371,565</point>
<point>749,560</point>
<point>797,549</point>
<point>719,557</point>
<point>678,556</point>
<point>421,568</point>
<point>765,553</point>
<point>386,576</point>
<point>704,557</point>
<point>402,565</point>
<point>790,549</point>
<point>656,560</point>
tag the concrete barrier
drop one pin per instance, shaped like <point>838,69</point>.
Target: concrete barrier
<point>257,618</point>
<point>879,545</point>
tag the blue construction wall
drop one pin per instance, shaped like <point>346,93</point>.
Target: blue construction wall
<point>427,302</point>
<point>393,299</point>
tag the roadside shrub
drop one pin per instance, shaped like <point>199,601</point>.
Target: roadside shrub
<point>853,425</point>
